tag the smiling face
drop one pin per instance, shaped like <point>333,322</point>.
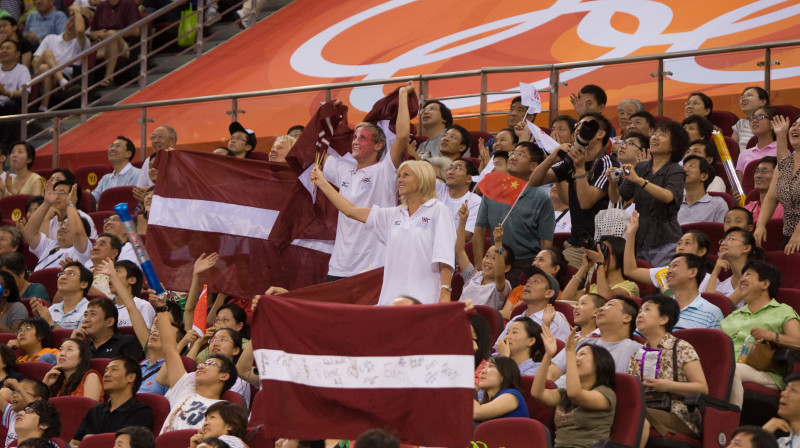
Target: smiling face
<point>214,426</point>
<point>115,379</point>
<point>794,134</point>
<point>222,345</point>
<point>678,273</point>
<point>113,225</point>
<point>544,261</point>
<point>363,146</point>
<point>490,378</point>
<point>584,311</point>
<point>101,249</point>
<point>760,123</point>
<point>503,141</point>
<point>451,143</point>
<point>160,139</point>
<point>118,152</point>
<point>762,176</point>
<point>694,106</point>
<point>584,360</point>
<point>660,143</point>
<point>625,111</point>
<point>407,182</point>
<point>749,102</point>
<point>629,150</point>
<point>279,150</point>
<point>518,339</point>
<point>750,286</point>
<point>487,264</point>
<point>562,130</point>
<point>6,243</point>
<point>69,280</point>
<point>95,321</point>
<point>8,53</point>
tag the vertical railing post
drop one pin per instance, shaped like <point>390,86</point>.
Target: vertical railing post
<point>767,68</point>
<point>553,104</point>
<point>198,49</point>
<point>484,101</point>
<point>253,11</point>
<point>84,86</point>
<point>327,95</point>
<point>143,53</point>
<point>56,137</point>
<point>23,125</point>
<point>143,120</point>
<point>660,87</point>
<point>423,96</point>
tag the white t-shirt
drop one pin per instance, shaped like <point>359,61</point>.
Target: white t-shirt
<point>9,421</point>
<point>563,225</point>
<point>658,277</point>
<point>415,245</point>
<point>482,294</point>
<point>454,204</point>
<point>724,287</point>
<point>144,175</point>
<point>356,249</point>
<point>144,307</point>
<point>53,228</point>
<point>63,50</point>
<point>187,408</point>
<point>13,80</point>
<point>127,253</point>
<point>50,254</point>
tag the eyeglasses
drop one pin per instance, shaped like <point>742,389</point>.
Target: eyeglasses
<point>25,328</point>
<point>111,218</point>
<point>30,410</point>
<point>155,137</point>
<point>762,171</point>
<point>756,117</point>
<point>211,362</point>
<point>746,96</point>
<point>455,168</point>
<point>61,192</point>
<point>67,273</point>
<point>224,320</point>
<point>517,154</point>
<point>729,239</point>
<point>624,143</point>
<point>221,340</point>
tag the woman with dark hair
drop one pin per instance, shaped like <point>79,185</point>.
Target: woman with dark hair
<point>33,337</point>
<point>499,381</point>
<point>505,140</point>
<point>12,312</point>
<point>222,419</point>
<point>735,250</point>
<point>698,104</point>
<point>609,259</point>
<point>766,145</point>
<point>585,408</point>
<point>523,344</point>
<point>552,262</point>
<point>481,342</point>
<point>72,374</point>
<point>8,365</point>
<point>24,181</point>
<point>667,364</point>
<point>657,188</point>
<point>230,316</point>
<point>752,99</point>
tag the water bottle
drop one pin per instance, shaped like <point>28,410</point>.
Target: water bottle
<point>749,342</point>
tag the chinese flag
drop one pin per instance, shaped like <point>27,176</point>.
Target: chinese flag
<point>201,313</point>
<point>502,187</point>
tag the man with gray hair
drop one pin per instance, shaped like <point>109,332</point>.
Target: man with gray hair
<point>163,137</point>
<point>10,239</point>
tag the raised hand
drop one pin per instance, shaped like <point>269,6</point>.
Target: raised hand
<point>780,124</point>
<point>463,212</point>
<point>205,262</point>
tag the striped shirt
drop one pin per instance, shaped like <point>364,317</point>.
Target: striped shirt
<point>699,314</point>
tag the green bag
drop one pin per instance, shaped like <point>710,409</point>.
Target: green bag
<point>187,30</point>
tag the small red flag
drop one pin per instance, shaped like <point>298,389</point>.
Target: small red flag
<point>201,313</point>
<point>502,187</point>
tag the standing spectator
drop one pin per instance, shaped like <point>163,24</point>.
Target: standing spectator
<point>634,148</point>
<point>456,189</point>
<point>435,118</point>
<point>163,137</point>
<point>45,20</point>
<point>242,141</point>
<point>762,178</point>
<point>657,187</point>
<point>419,234</point>
<point>752,99</point>
<point>590,99</point>
<point>110,17</point>
<point>697,205</point>
<point>280,148</point>
<point>562,128</point>
<point>766,145</point>
<point>56,49</point>
<point>120,154</point>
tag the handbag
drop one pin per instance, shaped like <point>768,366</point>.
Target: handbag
<point>663,400</point>
<point>760,356</point>
<point>612,221</point>
<point>187,30</point>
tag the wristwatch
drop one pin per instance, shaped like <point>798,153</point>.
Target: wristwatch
<point>71,204</point>
<point>162,309</point>
<point>501,251</point>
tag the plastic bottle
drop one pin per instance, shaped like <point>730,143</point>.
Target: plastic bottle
<point>749,342</point>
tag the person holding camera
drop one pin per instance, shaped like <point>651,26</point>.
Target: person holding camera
<point>657,188</point>
<point>608,258</point>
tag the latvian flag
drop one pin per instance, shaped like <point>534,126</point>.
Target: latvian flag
<point>207,203</point>
<point>334,371</point>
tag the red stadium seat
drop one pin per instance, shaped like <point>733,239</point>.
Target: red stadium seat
<point>44,172</point>
<point>34,369</point>
<point>537,410</point>
<point>113,196</point>
<point>103,440</point>
<point>747,177</point>
<point>788,111</point>
<point>47,277</point>
<point>89,175</point>
<point>787,264</point>
<point>733,149</point>
<point>566,309</point>
<point>175,439</point>
<point>14,207</point>
<point>31,260</point>
<point>473,139</point>
<point>475,161</point>
<point>728,198</point>
<point>189,364</point>
<point>494,319</point>
<point>637,300</point>
<point>233,397</point>
<point>73,409</point>
<point>723,120</point>
<point>160,407</point>
<point>513,432</point>
<point>720,301</point>
<point>559,238</point>
<point>59,335</point>
<point>27,302</point>
<point>646,288</point>
<point>774,235</point>
<point>789,296</point>
<point>714,230</point>
<point>630,412</point>
<point>99,364</point>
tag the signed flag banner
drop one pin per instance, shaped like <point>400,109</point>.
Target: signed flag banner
<point>501,187</point>
<point>335,371</point>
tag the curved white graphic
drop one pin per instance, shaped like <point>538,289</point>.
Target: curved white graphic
<point>594,28</point>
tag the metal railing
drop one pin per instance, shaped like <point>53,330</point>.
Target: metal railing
<point>554,71</point>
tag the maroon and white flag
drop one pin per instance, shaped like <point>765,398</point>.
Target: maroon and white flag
<point>335,371</point>
<point>207,203</point>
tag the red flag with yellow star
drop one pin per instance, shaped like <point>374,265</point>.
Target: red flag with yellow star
<point>502,187</point>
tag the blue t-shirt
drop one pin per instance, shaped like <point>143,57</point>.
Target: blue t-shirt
<point>522,408</point>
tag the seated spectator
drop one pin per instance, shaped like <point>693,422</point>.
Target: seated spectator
<point>698,128</point>
<point>10,239</point>
<point>562,129</point>
<point>110,17</point>
<point>505,140</point>
<point>642,123</point>
<point>656,185</point>
<point>72,374</point>
<point>552,262</point>
<point>788,419</point>
<point>40,419</point>
<point>500,160</point>
<point>8,365</point>
<point>697,204</point>
<point>762,178</point>
<point>121,380</point>
<point>707,150</point>
<point>481,343</point>
<point>698,104</point>
<point>584,314</point>
<point>105,246</point>
<point>752,99</point>
<point>134,437</point>
<point>59,174</point>
<point>634,148</point>
<point>99,328</point>
<point>155,354</point>
<point>45,20</point>
<point>190,395</point>
<point>120,154</point>
<point>144,216</point>
<point>113,226</point>
<point>163,137</point>
<point>280,148</point>
<point>22,156</point>
<point>34,338</point>
<point>608,259</point>
<point>540,291</point>
<point>753,437</point>
<point>487,286</point>
<point>74,283</point>
<point>70,240</point>
<point>38,442</point>
<point>616,321</point>
<point>18,394</point>
<point>695,311</point>
<point>523,344</point>
<point>738,217</point>
<point>736,249</point>
<point>763,318</point>
<point>435,118</point>
<point>58,209</point>
<point>625,109</point>
<point>57,49</point>
<point>31,206</point>
<point>126,288</point>
<point>8,30</point>
<point>457,189</point>
<point>14,264</point>
<point>222,419</point>
<point>441,165</point>
<point>585,406</point>
<point>560,211</point>
<point>295,131</point>
<point>590,99</point>
<point>455,142</point>
<point>242,142</point>
<point>502,397</point>
<point>225,342</point>
<point>692,242</point>
<point>12,312</point>
<point>762,126</point>
<point>677,369</point>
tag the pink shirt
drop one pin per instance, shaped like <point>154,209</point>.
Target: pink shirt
<point>754,153</point>
<point>755,208</point>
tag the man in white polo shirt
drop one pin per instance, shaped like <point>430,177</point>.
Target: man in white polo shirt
<point>120,154</point>
<point>366,178</point>
<point>74,283</point>
<point>456,189</point>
